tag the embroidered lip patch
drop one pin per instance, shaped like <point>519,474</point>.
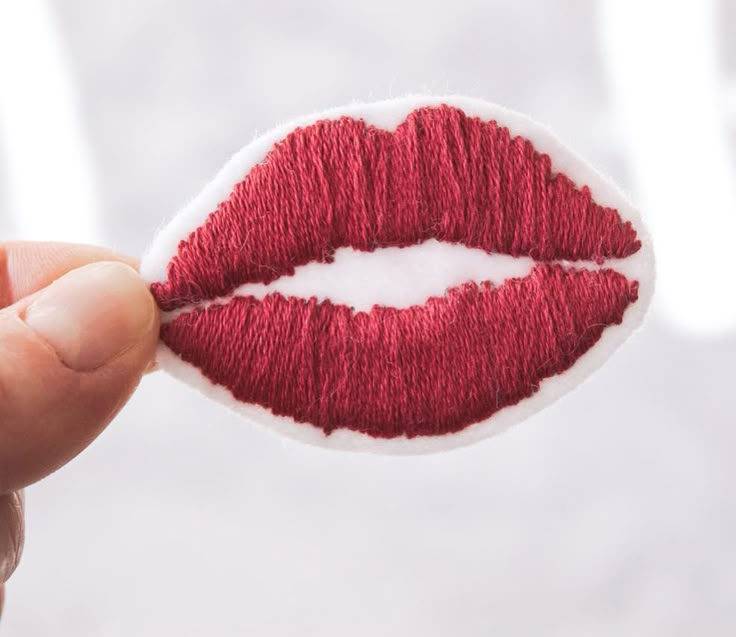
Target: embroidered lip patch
<point>448,371</point>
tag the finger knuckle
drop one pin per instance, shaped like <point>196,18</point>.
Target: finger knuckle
<point>12,532</point>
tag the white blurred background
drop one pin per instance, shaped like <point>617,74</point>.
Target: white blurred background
<point>611,513</point>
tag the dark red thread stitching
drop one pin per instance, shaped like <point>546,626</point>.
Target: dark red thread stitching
<point>342,183</point>
<point>426,370</point>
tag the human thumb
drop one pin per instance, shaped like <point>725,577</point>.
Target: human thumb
<point>70,356</point>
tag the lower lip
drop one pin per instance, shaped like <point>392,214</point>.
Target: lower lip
<point>426,370</point>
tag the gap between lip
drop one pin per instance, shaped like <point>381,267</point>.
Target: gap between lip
<point>429,269</point>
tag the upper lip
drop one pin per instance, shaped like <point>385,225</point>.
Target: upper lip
<point>269,244</point>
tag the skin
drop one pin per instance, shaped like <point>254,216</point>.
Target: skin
<point>51,410</point>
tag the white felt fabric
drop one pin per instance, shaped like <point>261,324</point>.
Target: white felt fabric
<point>360,279</point>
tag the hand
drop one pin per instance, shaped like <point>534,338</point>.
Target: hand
<point>78,328</point>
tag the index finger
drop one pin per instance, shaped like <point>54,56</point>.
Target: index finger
<point>26,267</point>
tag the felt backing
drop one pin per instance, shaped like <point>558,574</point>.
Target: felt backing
<point>465,265</point>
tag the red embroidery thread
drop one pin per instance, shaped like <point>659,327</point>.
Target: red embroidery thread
<point>426,370</point>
